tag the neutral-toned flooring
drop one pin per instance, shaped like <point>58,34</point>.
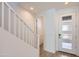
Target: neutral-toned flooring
<point>44,53</point>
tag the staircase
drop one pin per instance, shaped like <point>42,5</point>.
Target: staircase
<point>16,37</point>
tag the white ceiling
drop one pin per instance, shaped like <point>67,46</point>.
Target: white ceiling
<point>42,6</point>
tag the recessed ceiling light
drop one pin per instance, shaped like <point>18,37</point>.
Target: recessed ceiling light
<point>66,3</point>
<point>31,8</point>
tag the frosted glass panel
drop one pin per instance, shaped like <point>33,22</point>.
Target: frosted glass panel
<point>65,36</point>
<point>65,27</point>
<point>67,45</point>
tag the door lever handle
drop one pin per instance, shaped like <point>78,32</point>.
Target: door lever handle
<point>59,35</point>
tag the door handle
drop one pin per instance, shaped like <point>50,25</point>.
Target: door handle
<point>59,35</point>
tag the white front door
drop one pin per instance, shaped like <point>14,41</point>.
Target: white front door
<point>66,33</point>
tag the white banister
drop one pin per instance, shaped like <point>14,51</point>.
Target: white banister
<point>2,15</point>
<point>14,24</point>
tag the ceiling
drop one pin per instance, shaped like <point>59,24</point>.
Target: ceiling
<point>42,6</point>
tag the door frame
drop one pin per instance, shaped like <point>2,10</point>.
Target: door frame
<point>73,21</point>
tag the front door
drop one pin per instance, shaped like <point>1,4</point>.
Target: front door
<point>66,33</point>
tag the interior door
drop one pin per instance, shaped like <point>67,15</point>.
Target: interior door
<point>66,33</point>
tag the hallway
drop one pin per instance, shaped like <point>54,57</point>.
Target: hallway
<point>44,53</point>
<point>24,27</point>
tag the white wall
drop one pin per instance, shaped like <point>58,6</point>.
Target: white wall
<point>49,26</point>
<point>11,46</point>
<point>40,25</point>
<point>26,16</point>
